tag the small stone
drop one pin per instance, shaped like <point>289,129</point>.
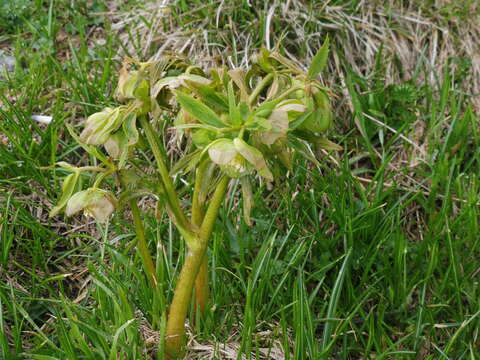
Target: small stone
<point>7,63</point>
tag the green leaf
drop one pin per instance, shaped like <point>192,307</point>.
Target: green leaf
<point>199,110</point>
<point>68,187</point>
<point>254,157</point>
<point>319,60</point>
<point>130,129</point>
<point>238,77</point>
<point>326,144</point>
<point>299,121</point>
<point>234,111</point>
<point>258,124</point>
<point>203,137</point>
<point>186,163</point>
<point>211,97</point>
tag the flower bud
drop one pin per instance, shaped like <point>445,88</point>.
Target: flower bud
<point>99,126</point>
<point>132,85</point>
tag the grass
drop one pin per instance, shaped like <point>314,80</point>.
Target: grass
<point>372,253</point>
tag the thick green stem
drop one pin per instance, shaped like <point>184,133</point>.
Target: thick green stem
<point>172,198</point>
<point>142,245</point>
<point>197,205</point>
<point>202,291</point>
<point>175,335</point>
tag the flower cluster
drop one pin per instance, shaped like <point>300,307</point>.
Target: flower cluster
<point>243,122</point>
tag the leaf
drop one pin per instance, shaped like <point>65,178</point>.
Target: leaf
<point>222,152</point>
<point>247,199</point>
<point>68,187</point>
<point>326,144</point>
<point>254,157</point>
<point>89,149</point>
<point>199,110</point>
<point>211,97</point>
<point>130,129</point>
<point>238,77</point>
<point>258,124</point>
<point>234,111</point>
<point>319,60</point>
<point>266,108</point>
<point>203,137</point>
<point>299,121</point>
<point>186,163</point>
<point>285,62</point>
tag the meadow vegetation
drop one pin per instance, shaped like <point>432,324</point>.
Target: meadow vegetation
<point>368,252</point>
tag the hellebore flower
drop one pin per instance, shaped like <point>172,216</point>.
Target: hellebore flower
<point>100,125</point>
<point>94,202</point>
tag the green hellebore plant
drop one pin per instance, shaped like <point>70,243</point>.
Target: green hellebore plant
<point>229,123</point>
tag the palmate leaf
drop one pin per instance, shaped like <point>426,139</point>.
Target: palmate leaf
<point>199,110</point>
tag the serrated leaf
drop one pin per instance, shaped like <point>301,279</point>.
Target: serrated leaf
<point>254,157</point>
<point>199,110</point>
<point>319,60</point>
<point>211,97</point>
<point>68,187</point>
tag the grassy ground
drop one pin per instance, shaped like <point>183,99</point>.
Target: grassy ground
<point>373,254</point>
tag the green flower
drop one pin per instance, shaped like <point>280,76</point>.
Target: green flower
<point>94,202</point>
<point>99,126</point>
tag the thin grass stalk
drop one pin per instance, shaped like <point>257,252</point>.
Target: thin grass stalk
<point>142,245</point>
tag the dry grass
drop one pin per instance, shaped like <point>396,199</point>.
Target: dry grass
<point>412,35</point>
